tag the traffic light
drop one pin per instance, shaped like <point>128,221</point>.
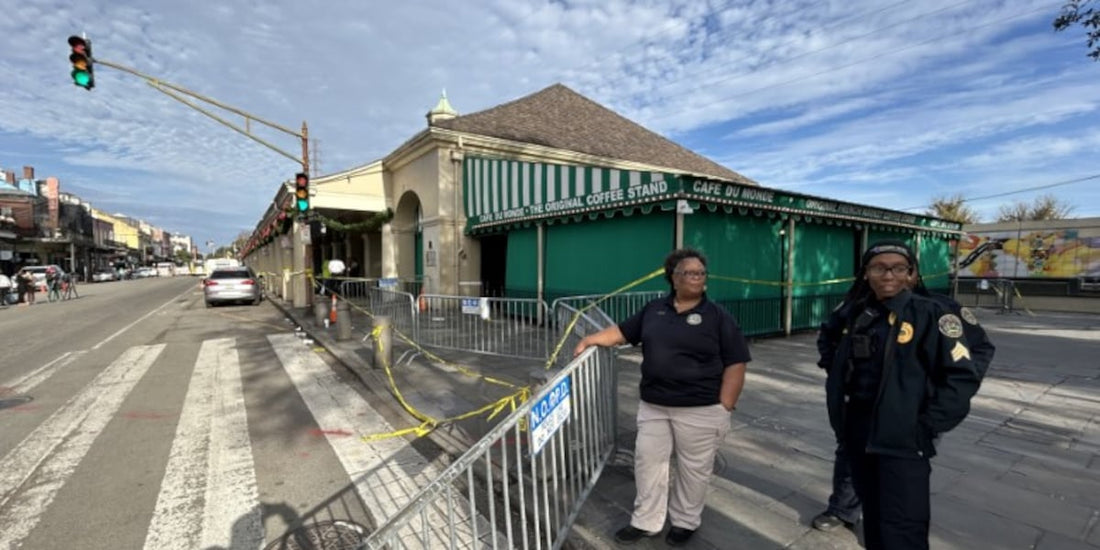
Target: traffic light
<point>301,193</point>
<point>81,58</point>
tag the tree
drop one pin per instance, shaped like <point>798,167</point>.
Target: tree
<point>952,208</point>
<point>1084,13</point>
<point>183,257</point>
<point>1045,207</point>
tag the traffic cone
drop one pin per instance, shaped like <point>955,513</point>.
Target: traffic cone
<point>332,311</point>
<point>422,301</point>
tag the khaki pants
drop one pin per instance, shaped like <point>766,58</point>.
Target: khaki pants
<point>694,433</point>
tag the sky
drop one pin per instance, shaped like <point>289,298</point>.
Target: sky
<point>882,103</point>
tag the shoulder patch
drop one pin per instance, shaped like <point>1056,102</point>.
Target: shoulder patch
<point>968,316</point>
<point>951,326</point>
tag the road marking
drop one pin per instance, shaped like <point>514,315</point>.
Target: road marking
<point>377,469</point>
<point>383,485</point>
<point>142,318</point>
<point>45,459</point>
<point>29,381</point>
<point>209,498</point>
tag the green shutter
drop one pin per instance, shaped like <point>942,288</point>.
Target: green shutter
<point>747,248</point>
<point>935,262</point>
<point>521,267</point>
<point>599,256</point>
<point>823,253</point>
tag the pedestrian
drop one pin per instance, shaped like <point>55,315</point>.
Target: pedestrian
<point>902,374</point>
<point>693,369</point>
<point>843,507</point>
<point>53,284</point>
<point>27,286</point>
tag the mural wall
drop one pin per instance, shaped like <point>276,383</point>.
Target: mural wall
<point>1038,253</point>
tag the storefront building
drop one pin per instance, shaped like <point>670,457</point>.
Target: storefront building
<point>553,194</point>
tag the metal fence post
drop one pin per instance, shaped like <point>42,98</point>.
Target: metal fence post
<point>383,344</point>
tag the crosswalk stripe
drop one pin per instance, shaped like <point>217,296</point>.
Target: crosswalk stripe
<point>46,458</point>
<point>209,498</point>
<point>380,481</point>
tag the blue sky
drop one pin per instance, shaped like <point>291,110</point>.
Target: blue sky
<point>877,102</point>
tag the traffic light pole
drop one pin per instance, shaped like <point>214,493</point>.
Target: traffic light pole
<point>302,292</point>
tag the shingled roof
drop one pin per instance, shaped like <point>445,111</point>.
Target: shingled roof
<point>560,118</point>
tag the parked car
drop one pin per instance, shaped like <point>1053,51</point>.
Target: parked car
<point>8,293</point>
<point>231,284</point>
<point>143,273</point>
<point>103,276</point>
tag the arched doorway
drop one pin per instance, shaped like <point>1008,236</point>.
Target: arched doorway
<point>408,232</point>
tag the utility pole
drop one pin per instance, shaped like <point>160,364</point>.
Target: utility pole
<point>83,76</point>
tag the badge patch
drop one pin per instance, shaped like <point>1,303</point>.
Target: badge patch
<point>959,351</point>
<point>905,333</point>
<point>694,319</point>
<point>892,318</point>
<point>968,316</point>
<point>951,326</point>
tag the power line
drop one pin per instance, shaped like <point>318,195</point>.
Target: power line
<point>1018,191</point>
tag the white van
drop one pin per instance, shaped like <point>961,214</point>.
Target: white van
<point>165,269</point>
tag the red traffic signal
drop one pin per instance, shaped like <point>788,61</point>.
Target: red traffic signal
<point>81,59</point>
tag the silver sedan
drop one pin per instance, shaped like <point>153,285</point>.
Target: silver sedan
<point>231,284</point>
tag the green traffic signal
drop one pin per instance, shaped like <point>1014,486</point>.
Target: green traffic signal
<point>82,78</point>
<point>301,192</point>
<point>81,59</point>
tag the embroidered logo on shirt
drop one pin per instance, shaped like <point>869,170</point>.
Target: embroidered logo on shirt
<point>694,319</point>
<point>959,351</point>
<point>951,326</point>
<point>905,333</point>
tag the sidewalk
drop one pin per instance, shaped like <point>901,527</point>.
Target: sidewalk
<point>1023,471</point>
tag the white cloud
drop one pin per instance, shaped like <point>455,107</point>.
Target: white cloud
<point>856,100</point>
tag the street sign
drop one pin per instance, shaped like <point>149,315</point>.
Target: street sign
<point>471,306</point>
<point>548,414</point>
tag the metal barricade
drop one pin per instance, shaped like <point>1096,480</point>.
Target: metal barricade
<point>356,291</point>
<point>506,491</point>
<point>616,308</point>
<point>398,306</point>
<point>513,327</point>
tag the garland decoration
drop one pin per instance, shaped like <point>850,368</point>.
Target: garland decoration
<point>373,223</point>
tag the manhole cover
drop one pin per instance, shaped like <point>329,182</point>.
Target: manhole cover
<point>323,535</point>
<point>14,401</point>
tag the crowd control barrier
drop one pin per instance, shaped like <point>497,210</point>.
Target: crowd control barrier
<point>523,484</point>
<point>513,327</point>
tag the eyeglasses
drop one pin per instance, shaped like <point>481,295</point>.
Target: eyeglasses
<point>897,270</point>
<point>693,274</point>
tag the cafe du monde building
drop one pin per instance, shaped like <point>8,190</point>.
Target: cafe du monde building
<point>554,195</point>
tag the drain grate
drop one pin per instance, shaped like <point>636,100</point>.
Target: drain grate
<point>323,535</point>
<point>14,401</point>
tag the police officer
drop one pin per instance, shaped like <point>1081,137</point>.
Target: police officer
<point>844,506</point>
<point>901,375</point>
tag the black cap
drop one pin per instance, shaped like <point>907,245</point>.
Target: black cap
<point>889,247</point>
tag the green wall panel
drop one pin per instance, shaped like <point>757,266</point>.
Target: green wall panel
<point>823,252</point>
<point>935,262</point>
<point>737,247</point>
<point>521,270</point>
<point>598,256</point>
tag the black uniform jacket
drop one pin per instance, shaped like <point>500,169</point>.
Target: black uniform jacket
<point>927,381</point>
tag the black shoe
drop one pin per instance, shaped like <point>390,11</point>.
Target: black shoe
<point>826,521</point>
<point>631,534</point>
<point>678,536</point>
